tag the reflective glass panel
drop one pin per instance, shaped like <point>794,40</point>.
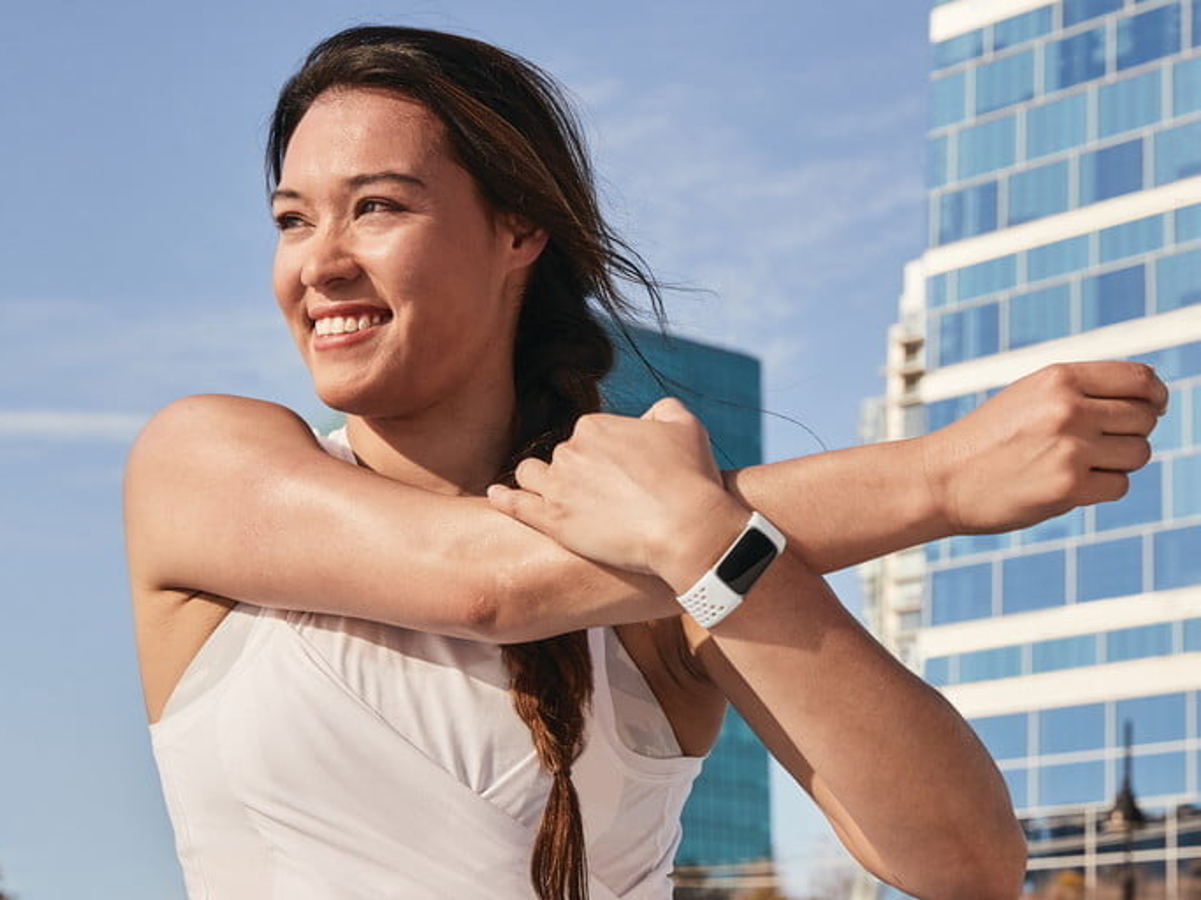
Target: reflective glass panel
<point>1132,238</point>
<point>987,277</point>
<point>1057,125</point>
<point>959,48</point>
<point>1196,23</point>
<point>1186,86</point>
<point>1109,569</point>
<point>985,665</point>
<point>1071,728</point>
<point>1154,719</point>
<point>1039,315</point>
<point>1038,192</point>
<point>1188,219</point>
<point>1071,783</point>
<point>1192,635</point>
<point>1178,153</point>
<point>1169,433</point>
<point>1004,736</point>
<point>1057,259</point>
<point>1143,501</point>
<point>1078,58</point>
<point>937,671</point>
<point>936,162</point>
<point>1113,297</point>
<point>937,290</point>
<point>1078,10</point>
<point>1171,363</point>
<point>967,212</point>
<point>983,148</point>
<point>1016,783</point>
<point>1032,582</point>
<point>944,412</point>
<point>1147,36</point>
<point>1068,524</point>
<point>1129,103</point>
<point>1064,653</point>
<point>960,594</point>
<point>967,544</point>
<point>1138,642</point>
<point>1111,172</point>
<point>1186,485</point>
<point>1178,281</point>
<point>1004,82</point>
<point>948,103</point>
<point>1155,774</point>
<point>968,334</point>
<point>1019,29</point>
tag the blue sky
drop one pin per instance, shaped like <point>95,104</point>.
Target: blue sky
<point>769,153</point>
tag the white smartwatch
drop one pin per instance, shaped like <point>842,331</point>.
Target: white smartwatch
<point>722,588</point>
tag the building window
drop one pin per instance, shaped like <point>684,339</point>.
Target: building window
<point>1075,59</point>
<point>959,48</point>
<point>1038,192</point>
<point>1186,86</point>
<point>1154,719</point>
<point>1147,36</point>
<point>1004,82</point>
<point>1003,736</point>
<point>957,595</point>
<point>1109,569</point>
<point>1072,783</point>
<point>1188,220</point>
<point>968,212</point>
<point>1129,104</point>
<point>1114,297</point>
<point>949,100</point>
<point>1069,524</point>
<point>1132,238</point>
<point>987,665</point>
<point>1022,28</point>
<point>1039,315</point>
<point>1178,281</point>
<point>1169,433</point>
<point>1079,10</point>
<point>1056,126</point>
<point>1156,774</point>
<point>1032,582</point>
<point>1138,643</point>
<point>1178,153</point>
<point>937,173</point>
<point>1186,486</point>
<point>984,148</point>
<point>968,334</point>
<point>1143,501</point>
<point>1064,653</point>
<point>987,277</point>
<point>1071,728</point>
<point>1111,172</point>
<point>1059,258</point>
<point>937,671</point>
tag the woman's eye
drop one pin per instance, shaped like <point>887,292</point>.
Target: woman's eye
<point>376,205</point>
<point>286,221</point>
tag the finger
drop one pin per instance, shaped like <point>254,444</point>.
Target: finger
<point>1134,417</point>
<point>1121,453</point>
<point>531,474</point>
<point>523,506</point>
<point>1130,380</point>
<point>669,409</point>
<point>1101,487</point>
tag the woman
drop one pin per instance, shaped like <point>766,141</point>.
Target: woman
<point>439,243</point>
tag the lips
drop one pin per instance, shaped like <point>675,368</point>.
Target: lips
<point>344,324</point>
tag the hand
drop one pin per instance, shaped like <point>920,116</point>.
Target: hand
<point>1065,436</point>
<point>639,494</point>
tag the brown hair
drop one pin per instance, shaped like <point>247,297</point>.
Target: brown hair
<point>509,126</point>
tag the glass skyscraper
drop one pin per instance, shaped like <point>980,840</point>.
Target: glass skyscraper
<point>1064,224</point>
<point>727,821</point>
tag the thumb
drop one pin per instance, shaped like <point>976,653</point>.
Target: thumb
<point>523,506</point>
<point>669,409</point>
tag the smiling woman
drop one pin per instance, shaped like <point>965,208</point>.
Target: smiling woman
<point>366,679</point>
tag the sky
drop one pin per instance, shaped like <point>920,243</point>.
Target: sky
<point>768,153</point>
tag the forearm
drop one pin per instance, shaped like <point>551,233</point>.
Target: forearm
<point>843,507</point>
<point>898,772</point>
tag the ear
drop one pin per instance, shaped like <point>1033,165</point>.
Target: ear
<point>526,240</point>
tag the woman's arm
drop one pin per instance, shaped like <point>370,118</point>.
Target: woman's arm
<point>896,770</point>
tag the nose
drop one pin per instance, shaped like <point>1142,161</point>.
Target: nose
<point>328,260</point>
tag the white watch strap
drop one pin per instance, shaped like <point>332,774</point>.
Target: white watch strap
<point>710,600</point>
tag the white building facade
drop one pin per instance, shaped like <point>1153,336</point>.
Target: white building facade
<point>1065,224</point>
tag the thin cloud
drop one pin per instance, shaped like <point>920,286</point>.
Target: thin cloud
<point>70,425</point>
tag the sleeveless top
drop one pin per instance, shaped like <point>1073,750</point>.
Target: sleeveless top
<point>317,757</point>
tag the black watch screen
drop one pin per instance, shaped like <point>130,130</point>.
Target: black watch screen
<point>746,561</point>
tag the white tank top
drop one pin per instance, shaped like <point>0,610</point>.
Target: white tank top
<point>308,756</point>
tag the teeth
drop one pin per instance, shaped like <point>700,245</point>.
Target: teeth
<point>346,324</point>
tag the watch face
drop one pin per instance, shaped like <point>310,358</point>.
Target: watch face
<point>746,561</point>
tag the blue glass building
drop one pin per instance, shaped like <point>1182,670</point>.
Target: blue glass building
<point>727,821</point>
<point>1064,224</point>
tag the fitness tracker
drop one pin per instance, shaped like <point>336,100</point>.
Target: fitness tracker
<point>722,588</point>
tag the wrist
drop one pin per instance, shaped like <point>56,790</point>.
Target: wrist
<point>698,541</point>
<point>932,490</point>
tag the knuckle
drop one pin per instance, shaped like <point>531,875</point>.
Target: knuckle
<point>1061,376</point>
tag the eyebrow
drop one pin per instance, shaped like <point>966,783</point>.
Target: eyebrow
<point>357,181</point>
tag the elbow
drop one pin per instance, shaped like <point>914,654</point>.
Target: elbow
<point>994,866</point>
<point>499,608</point>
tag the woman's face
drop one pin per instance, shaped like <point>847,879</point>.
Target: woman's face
<point>400,285</point>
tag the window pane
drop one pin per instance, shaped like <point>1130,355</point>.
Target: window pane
<point>944,412</point>
<point>1071,728</point>
<point>960,594</point>
<point>985,665</point>
<point>1169,433</point>
<point>1004,82</point>
<point>1147,36</point>
<point>1110,172</point>
<point>938,290</point>
<point>1130,103</point>
<point>1138,643</point>
<point>968,334</point>
<point>1109,569</point>
<point>1069,524</point>
<point>1142,503</point>
<point>1154,719</point>
<point>1178,558</point>
<point>983,148</point>
<point>1171,363</point>
<point>1071,783</point>
<point>1032,582</point>
<point>1038,192</point>
<point>1192,635</point>
<point>1058,258</point>
<point>1019,29</point>
<point>1015,782</point>
<point>1064,653</point>
<point>1004,736</point>
<point>1186,486</point>
<point>936,162</point>
<point>967,544</point>
<point>1057,125</point>
<point>1178,281</point>
<point>1178,153</point>
<point>1113,297</point>
<point>1155,774</point>
<point>1132,238</point>
<point>1039,315</point>
<point>967,212</point>
<point>1078,10</point>
<point>957,49</point>
<point>937,671</point>
<point>1186,86</point>
<point>948,102</point>
<point>987,277</point>
<point>1075,59</point>
<point>1188,219</point>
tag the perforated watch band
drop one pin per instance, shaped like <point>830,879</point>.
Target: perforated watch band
<point>720,590</point>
